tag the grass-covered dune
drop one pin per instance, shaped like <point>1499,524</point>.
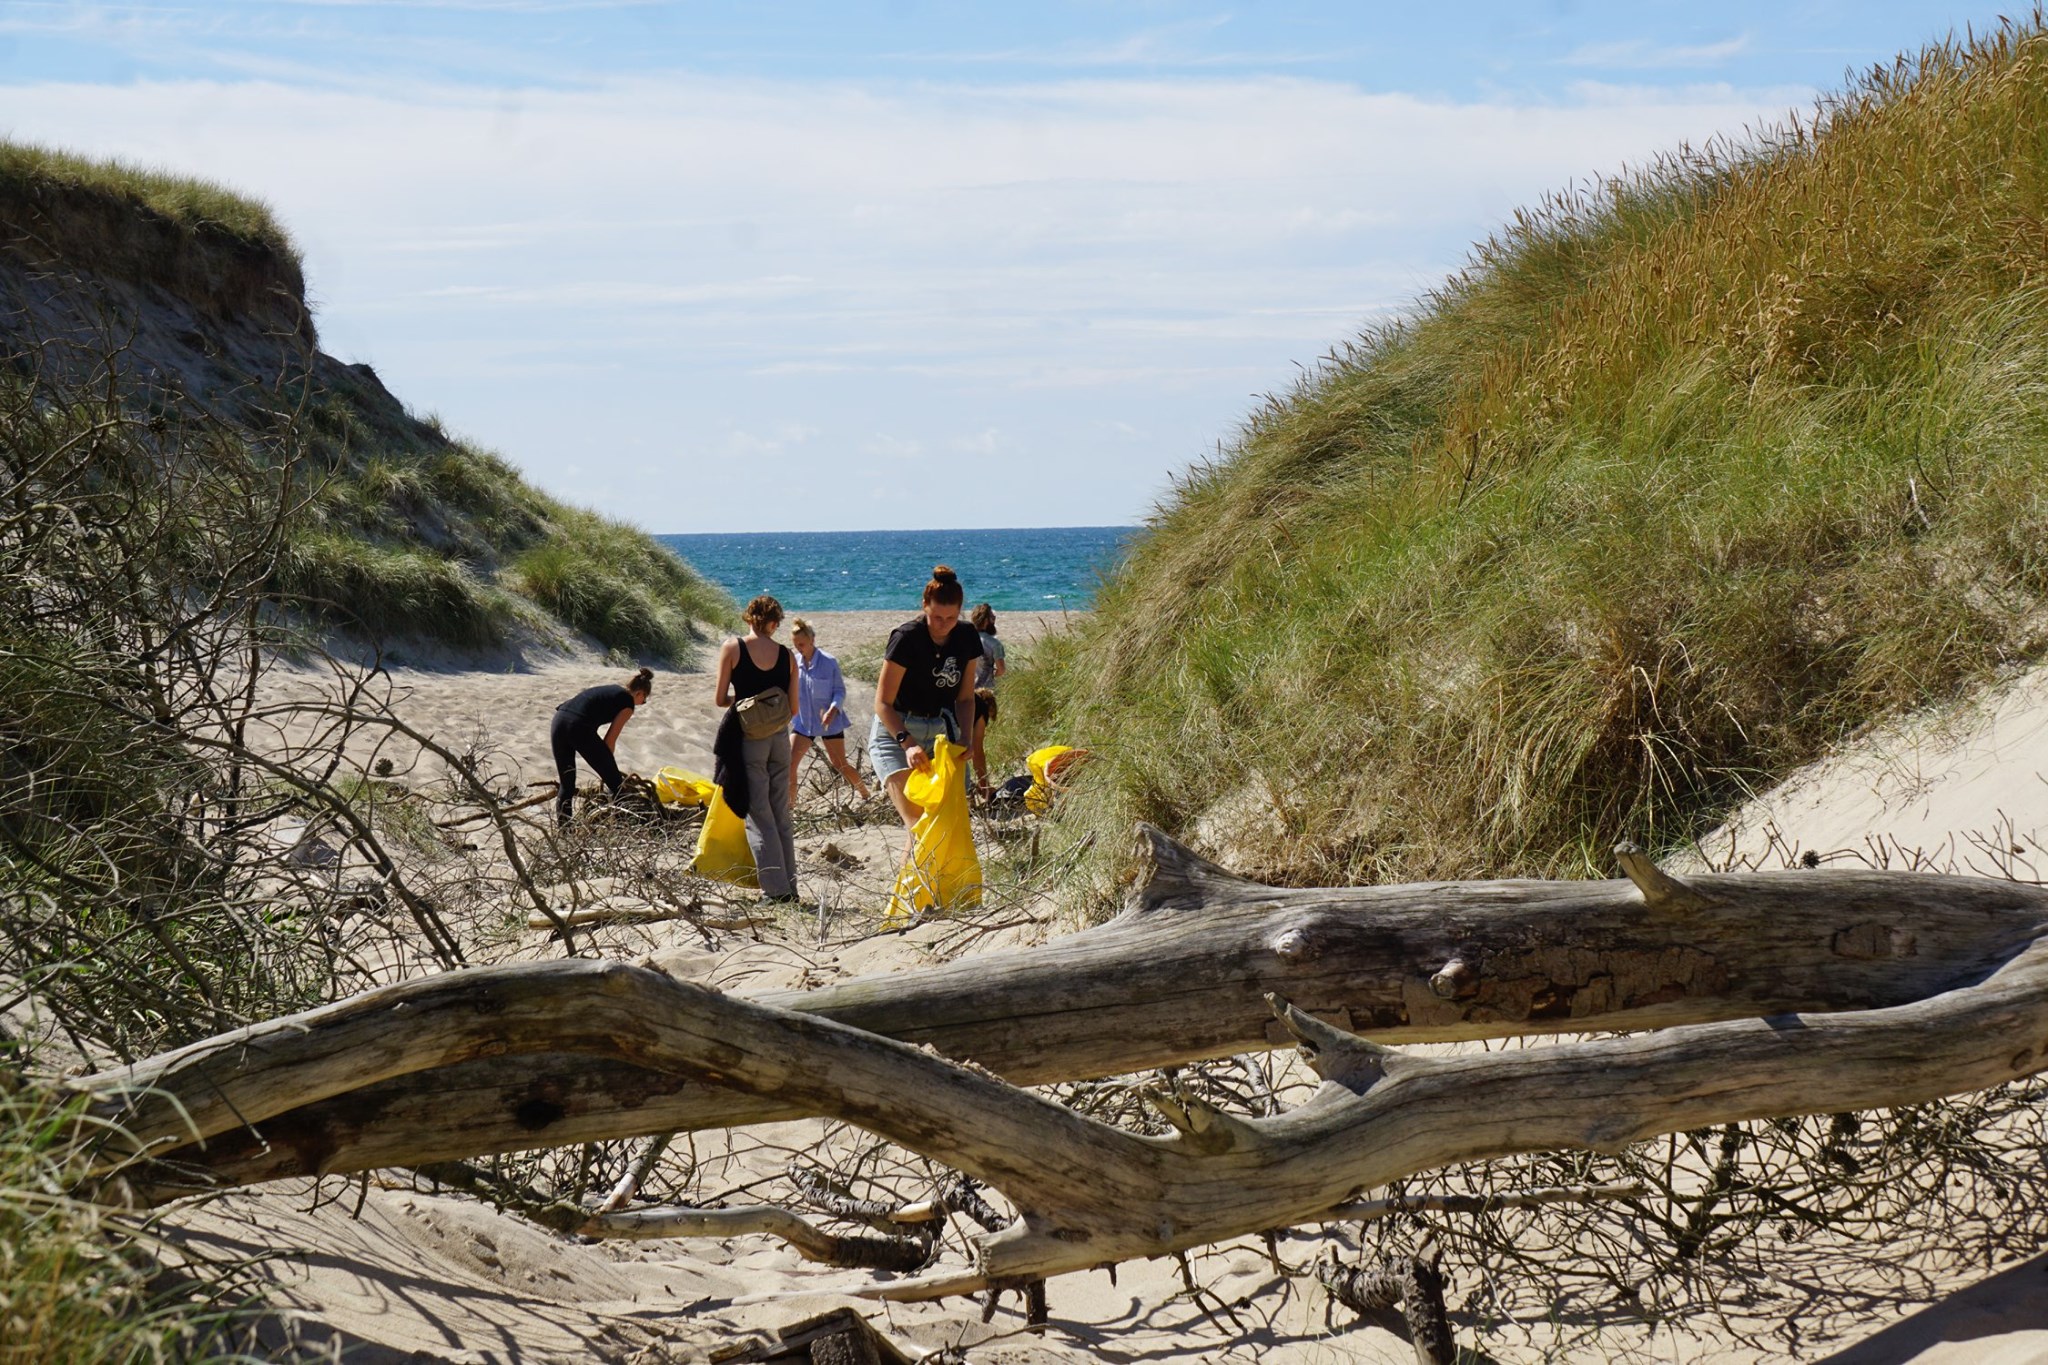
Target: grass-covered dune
<point>1682,479</point>
<point>191,298</point>
<point>187,484</point>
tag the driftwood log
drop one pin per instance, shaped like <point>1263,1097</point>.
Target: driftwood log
<point>1182,975</point>
<point>1762,995</point>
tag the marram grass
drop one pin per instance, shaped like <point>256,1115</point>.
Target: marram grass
<point>408,534</point>
<point>363,559</point>
<point>619,585</point>
<point>190,202</point>
<point>1681,480</point>
<point>389,592</point>
<point>74,1286</point>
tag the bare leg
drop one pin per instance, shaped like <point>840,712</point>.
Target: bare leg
<point>835,754</point>
<point>904,807</point>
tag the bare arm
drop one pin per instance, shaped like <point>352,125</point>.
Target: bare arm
<point>885,697</point>
<point>963,707</point>
<point>891,718</point>
<point>728,655</point>
<point>611,736</point>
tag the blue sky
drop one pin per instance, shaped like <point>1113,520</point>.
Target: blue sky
<point>920,264</point>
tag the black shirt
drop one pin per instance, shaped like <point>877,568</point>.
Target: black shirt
<point>597,706</point>
<point>931,671</point>
<point>749,679</point>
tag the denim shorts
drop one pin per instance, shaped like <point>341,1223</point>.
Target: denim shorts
<point>887,754</point>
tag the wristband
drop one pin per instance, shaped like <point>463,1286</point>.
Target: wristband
<point>903,738</point>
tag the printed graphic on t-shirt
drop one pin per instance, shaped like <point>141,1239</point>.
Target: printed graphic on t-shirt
<point>947,675</point>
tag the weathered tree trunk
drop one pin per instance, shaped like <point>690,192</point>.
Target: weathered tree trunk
<point>1939,983</point>
<point>1182,975</point>
<point>1090,1193</point>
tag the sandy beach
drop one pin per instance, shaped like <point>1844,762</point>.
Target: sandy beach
<point>508,711</point>
<point>395,1268</point>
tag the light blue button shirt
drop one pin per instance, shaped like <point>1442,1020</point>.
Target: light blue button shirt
<point>819,685</point>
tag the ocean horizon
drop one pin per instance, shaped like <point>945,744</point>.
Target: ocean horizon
<point>1037,568</point>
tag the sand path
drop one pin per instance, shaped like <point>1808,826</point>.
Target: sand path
<point>385,1271</point>
<point>506,713</point>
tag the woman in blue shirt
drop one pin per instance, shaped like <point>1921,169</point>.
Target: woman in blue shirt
<point>821,710</point>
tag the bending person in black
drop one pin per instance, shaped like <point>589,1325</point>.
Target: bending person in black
<point>575,732</point>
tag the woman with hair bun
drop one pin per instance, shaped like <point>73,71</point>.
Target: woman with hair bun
<point>575,732</point>
<point>926,689</point>
<point>747,667</point>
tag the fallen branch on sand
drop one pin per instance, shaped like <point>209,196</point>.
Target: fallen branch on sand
<point>1415,1284</point>
<point>810,1241</point>
<point>1181,976</point>
<point>1938,985</point>
<point>646,914</point>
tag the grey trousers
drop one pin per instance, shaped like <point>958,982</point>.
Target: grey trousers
<point>769,831</point>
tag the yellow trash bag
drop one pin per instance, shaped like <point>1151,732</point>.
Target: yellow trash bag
<point>1047,765</point>
<point>681,787</point>
<point>722,851</point>
<point>943,873</point>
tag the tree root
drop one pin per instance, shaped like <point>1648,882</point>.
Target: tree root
<point>1413,1283</point>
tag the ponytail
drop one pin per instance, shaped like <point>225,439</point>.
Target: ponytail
<point>642,683</point>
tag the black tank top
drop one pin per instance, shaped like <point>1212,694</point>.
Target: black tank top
<point>595,707</point>
<point>748,681</point>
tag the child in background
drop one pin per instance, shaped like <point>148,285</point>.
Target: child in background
<point>992,665</point>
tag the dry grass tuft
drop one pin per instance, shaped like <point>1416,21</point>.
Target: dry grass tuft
<point>192,204</point>
<point>1684,477</point>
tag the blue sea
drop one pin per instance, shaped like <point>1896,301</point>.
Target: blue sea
<point>1026,569</point>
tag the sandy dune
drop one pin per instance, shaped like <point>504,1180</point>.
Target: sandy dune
<point>390,1269</point>
<point>1962,789</point>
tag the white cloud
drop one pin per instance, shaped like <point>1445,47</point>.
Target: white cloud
<point>700,263</point>
<point>1179,45</point>
<point>1136,155</point>
<point>892,447</point>
<point>748,445</point>
<point>605,293</point>
<point>1642,54</point>
<point>1770,101</point>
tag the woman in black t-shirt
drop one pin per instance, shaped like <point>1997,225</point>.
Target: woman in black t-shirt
<point>575,731</point>
<point>926,690</point>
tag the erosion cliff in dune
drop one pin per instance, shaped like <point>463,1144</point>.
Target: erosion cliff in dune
<point>188,302</point>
